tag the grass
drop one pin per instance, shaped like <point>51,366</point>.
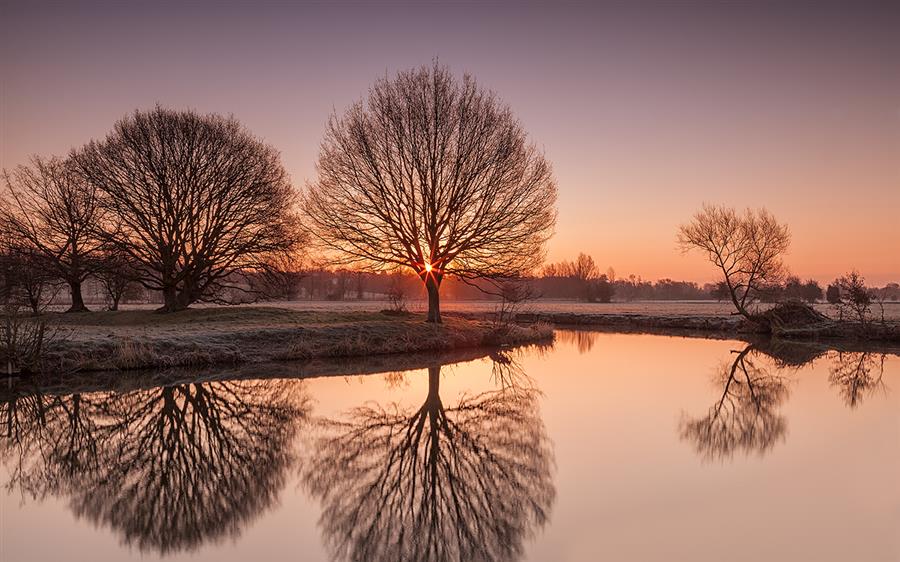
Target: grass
<point>137,339</point>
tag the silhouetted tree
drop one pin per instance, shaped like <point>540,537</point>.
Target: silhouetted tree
<point>31,281</point>
<point>468,482</point>
<point>56,213</point>
<point>747,248</point>
<point>854,295</point>
<point>197,199</point>
<point>602,289</point>
<point>833,293</point>
<point>745,417</point>
<point>811,291</point>
<point>117,274</point>
<point>435,175</point>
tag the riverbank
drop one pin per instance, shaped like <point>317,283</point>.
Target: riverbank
<point>142,339</point>
<point>721,326</point>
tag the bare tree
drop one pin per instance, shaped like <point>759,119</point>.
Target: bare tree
<point>32,281</point>
<point>118,275</point>
<point>53,210</point>
<point>855,296</point>
<point>747,248</point>
<point>197,197</point>
<point>436,175</point>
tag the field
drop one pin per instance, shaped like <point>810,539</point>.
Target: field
<point>664,309</point>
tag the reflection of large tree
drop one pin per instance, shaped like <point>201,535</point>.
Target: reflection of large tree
<point>467,482</point>
<point>857,375</point>
<point>168,468</point>
<point>745,418</point>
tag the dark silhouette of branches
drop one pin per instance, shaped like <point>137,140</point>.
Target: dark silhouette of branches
<point>196,199</point>
<point>55,212</point>
<point>30,278</point>
<point>436,175</point>
<point>854,295</point>
<point>468,482</point>
<point>745,418</point>
<point>118,275</point>
<point>747,248</point>
<point>168,468</point>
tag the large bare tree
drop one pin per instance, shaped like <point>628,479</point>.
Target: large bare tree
<point>433,174</point>
<point>52,210</point>
<point>747,248</point>
<point>197,200</point>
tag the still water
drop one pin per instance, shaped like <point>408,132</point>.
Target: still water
<point>603,447</point>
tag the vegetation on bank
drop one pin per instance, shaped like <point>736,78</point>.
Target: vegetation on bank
<point>195,337</point>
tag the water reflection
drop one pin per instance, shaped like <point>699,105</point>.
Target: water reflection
<point>469,481</point>
<point>167,468</point>
<point>583,340</point>
<point>746,416</point>
<point>857,375</point>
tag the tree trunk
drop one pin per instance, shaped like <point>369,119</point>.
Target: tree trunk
<point>77,299</point>
<point>433,285</point>
<point>171,301</point>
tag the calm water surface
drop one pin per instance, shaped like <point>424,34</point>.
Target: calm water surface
<point>603,447</point>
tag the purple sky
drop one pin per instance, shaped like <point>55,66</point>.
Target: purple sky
<point>646,111</point>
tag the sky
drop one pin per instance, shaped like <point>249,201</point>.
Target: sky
<point>646,110</point>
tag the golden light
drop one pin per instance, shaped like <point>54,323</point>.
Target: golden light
<point>428,267</point>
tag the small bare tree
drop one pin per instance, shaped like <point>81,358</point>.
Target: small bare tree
<point>747,248</point>
<point>32,280</point>
<point>855,296</point>
<point>435,175</point>
<point>118,275</point>
<point>197,198</point>
<point>55,212</point>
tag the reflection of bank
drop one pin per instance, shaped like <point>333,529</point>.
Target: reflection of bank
<point>168,468</point>
<point>746,418</point>
<point>466,482</point>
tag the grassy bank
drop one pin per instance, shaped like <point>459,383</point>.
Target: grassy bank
<point>138,339</point>
<point>721,325</point>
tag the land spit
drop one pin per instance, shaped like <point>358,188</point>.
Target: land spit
<point>142,339</point>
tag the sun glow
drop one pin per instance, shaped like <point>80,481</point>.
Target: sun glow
<point>428,267</point>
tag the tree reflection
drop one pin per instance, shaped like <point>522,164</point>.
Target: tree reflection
<point>583,340</point>
<point>168,468</point>
<point>467,482</point>
<point>857,375</point>
<point>745,418</point>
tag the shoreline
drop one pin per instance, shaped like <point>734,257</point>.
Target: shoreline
<point>729,326</point>
<point>137,340</point>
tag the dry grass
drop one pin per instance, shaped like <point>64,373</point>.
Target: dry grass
<point>141,339</point>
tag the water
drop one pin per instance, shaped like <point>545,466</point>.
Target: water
<point>603,447</point>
